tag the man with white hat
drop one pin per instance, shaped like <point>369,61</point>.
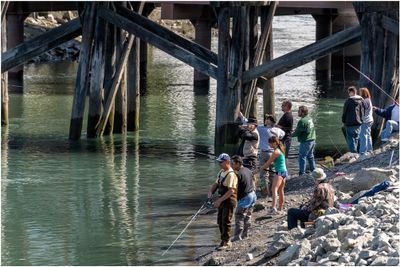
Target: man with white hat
<point>226,183</point>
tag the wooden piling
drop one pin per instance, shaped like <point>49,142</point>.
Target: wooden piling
<point>82,78</point>
<point>134,87</point>
<point>4,75</point>
<point>222,111</point>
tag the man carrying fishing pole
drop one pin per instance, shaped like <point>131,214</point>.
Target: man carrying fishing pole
<point>226,184</point>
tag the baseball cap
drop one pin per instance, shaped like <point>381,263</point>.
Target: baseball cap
<point>223,157</point>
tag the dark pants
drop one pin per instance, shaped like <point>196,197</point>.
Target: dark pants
<point>225,214</point>
<point>294,215</point>
<point>250,163</point>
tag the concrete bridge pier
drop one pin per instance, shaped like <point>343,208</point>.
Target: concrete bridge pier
<point>15,36</point>
<point>201,82</point>
<point>323,28</point>
<point>351,54</point>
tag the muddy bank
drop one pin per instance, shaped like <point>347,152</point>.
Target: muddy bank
<point>336,239</point>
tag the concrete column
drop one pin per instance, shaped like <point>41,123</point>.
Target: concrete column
<point>352,54</point>
<point>323,29</point>
<point>201,82</point>
<point>15,36</point>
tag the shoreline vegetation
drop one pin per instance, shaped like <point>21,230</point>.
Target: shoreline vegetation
<point>364,234</point>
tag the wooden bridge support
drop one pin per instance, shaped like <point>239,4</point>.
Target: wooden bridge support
<point>379,59</point>
<point>201,82</point>
<point>4,78</point>
<point>323,28</point>
<point>15,36</point>
<point>133,94</point>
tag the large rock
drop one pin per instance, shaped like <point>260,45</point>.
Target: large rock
<point>322,226</point>
<point>343,184</point>
<point>295,251</point>
<point>279,243</point>
<point>366,178</point>
<point>331,244</point>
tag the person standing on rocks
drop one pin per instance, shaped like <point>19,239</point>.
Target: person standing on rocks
<point>250,142</point>
<point>322,199</point>
<point>278,184</point>
<point>226,184</point>
<point>305,133</point>
<point>368,120</point>
<point>391,114</point>
<point>286,124</point>
<point>246,198</point>
<point>352,118</point>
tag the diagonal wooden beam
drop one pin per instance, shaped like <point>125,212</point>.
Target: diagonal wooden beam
<point>159,42</point>
<point>196,49</point>
<point>390,24</point>
<point>40,44</point>
<point>305,54</point>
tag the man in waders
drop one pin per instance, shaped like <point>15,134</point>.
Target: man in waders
<point>226,184</point>
<point>246,198</point>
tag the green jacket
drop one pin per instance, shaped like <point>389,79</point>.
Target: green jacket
<point>305,130</point>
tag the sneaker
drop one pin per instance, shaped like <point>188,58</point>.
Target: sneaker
<point>225,245</point>
<point>273,211</point>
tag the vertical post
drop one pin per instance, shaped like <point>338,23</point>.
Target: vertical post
<point>4,78</point>
<point>221,130</point>
<point>82,79</point>
<point>253,39</point>
<point>120,99</point>
<point>134,87</point>
<point>96,78</point>
<point>323,28</point>
<point>143,68</point>
<point>269,89</point>
<point>15,36</point>
<point>109,72</point>
<point>201,82</point>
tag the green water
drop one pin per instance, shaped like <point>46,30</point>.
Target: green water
<point>122,199</point>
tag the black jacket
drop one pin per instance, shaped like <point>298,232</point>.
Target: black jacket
<point>353,111</point>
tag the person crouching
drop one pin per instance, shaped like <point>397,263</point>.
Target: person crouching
<point>246,198</point>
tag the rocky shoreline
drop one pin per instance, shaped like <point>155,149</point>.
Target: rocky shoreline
<point>362,234</point>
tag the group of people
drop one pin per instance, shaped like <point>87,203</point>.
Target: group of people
<point>358,118</point>
<point>268,145</point>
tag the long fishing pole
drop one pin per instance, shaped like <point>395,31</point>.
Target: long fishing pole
<point>184,229</point>
<point>377,86</point>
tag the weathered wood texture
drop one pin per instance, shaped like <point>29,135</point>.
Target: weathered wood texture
<point>258,56</point>
<point>134,87</point>
<point>221,120</point>
<point>305,54</point>
<point>97,78</point>
<point>379,58</point>
<point>4,8</point>
<point>40,44</point>
<point>81,87</point>
<point>198,50</point>
<point>4,80</point>
<point>159,42</point>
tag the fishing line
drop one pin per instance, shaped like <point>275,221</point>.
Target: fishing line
<point>184,229</point>
<point>377,86</point>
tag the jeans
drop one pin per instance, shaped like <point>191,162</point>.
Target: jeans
<point>294,215</point>
<point>248,201</point>
<point>243,215</point>
<point>352,136</point>
<point>306,151</point>
<point>389,128</point>
<point>287,142</point>
<point>365,138</point>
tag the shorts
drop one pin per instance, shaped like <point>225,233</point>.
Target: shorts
<point>283,174</point>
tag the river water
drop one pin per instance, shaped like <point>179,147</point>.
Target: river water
<point>122,200</point>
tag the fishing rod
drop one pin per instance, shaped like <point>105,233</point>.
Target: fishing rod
<point>365,76</point>
<point>184,229</point>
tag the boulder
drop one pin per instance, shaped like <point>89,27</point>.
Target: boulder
<point>295,251</point>
<point>214,261</point>
<point>379,261</point>
<point>343,184</point>
<point>331,244</point>
<point>366,178</point>
<point>279,243</point>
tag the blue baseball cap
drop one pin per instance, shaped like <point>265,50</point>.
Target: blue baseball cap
<point>223,157</point>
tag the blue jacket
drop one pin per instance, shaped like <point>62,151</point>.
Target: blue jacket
<point>386,113</point>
